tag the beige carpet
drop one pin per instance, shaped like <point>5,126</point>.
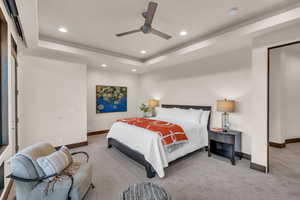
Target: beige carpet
<point>196,177</point>
<point>285,162</point>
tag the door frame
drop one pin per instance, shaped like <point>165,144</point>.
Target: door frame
<point>268,97</point>
<point>14,54</point>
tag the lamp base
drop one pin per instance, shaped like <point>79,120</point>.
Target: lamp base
<point>225,122</point>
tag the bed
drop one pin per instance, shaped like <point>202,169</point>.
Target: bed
<point>145,147</point>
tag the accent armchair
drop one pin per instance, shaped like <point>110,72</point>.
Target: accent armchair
<point>32,184</point>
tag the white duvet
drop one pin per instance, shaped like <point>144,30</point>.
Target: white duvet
<point>149,144</point>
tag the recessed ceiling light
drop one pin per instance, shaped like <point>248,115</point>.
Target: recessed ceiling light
<point>143,52</point>
<point>63,30</point>
<point>233,11</point>
<point>133,70</point>
<point>104,65</point>
<point>183,33</point>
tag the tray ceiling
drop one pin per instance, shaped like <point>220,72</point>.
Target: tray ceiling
<point>94,23</point>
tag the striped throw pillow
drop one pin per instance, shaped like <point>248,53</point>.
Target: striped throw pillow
<point>55,162</point>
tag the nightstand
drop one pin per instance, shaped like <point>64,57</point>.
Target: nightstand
<point>226,144</point>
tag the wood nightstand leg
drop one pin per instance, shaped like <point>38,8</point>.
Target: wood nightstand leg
<point>233,161</point>
<point>233,155</point>
<point>208,149</point>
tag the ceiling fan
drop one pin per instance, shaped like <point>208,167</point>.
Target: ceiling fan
<point>147,27</point>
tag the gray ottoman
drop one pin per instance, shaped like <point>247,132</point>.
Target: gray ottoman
<point>145,191</point>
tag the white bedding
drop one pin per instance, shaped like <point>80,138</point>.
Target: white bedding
<point>149,144</point>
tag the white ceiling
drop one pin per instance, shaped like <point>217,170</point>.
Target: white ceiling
<point>94,23</point>
<point>211,30</point>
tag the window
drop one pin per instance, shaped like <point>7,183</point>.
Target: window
<point>3,81</point>
<point>4,93</point>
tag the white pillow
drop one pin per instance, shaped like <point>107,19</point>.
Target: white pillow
<point>178,114</point>
<point>55,162</point>
<point>165,113</point>
<point>200,112</point>
<point>205,117</point>
<point>188,115</point>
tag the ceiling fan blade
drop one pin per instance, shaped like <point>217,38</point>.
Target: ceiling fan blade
<point>150,12</point>
<point>128,32</point>
<point>160,34</point>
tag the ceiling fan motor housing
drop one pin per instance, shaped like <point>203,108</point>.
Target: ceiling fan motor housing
<point>146,28</point>
<point>144,14</point>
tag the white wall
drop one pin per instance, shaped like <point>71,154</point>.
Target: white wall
<point>205,81</point>
<point>259,113</point>
<point>277,95</point>
<point>97,76</point>
<point>52,101</point>
<point>292,100</point>
<point>284,93</point>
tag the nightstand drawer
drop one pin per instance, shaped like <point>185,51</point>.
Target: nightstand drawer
<point>223,138</point>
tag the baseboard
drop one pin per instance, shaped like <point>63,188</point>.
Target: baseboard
<point>258,167</point>
<point>8,189</point>
<point>243,155</point>
<point>282,145</point>
<point>97,132</point>
<point>293,140</point>
<point>277,145</point>
<point>75,145</point>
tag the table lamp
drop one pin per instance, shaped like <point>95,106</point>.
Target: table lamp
<point>152,103</point>
<point>225,106</point>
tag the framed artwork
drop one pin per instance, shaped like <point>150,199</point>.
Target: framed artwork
<point>111,99</point>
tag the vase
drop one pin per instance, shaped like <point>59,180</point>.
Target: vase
<point>147,114</point>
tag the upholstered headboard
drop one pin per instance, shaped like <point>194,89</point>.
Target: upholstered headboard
<point>207,108</point>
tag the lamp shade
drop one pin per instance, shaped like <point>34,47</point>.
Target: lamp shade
<point>153,103</point>
<point>225,105</point>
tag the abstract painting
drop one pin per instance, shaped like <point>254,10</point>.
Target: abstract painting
<point>111,99</point>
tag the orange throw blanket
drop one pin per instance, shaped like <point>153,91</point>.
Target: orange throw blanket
<point>172,136</point>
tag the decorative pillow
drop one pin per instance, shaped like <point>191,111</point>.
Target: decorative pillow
<point>55,162</point>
